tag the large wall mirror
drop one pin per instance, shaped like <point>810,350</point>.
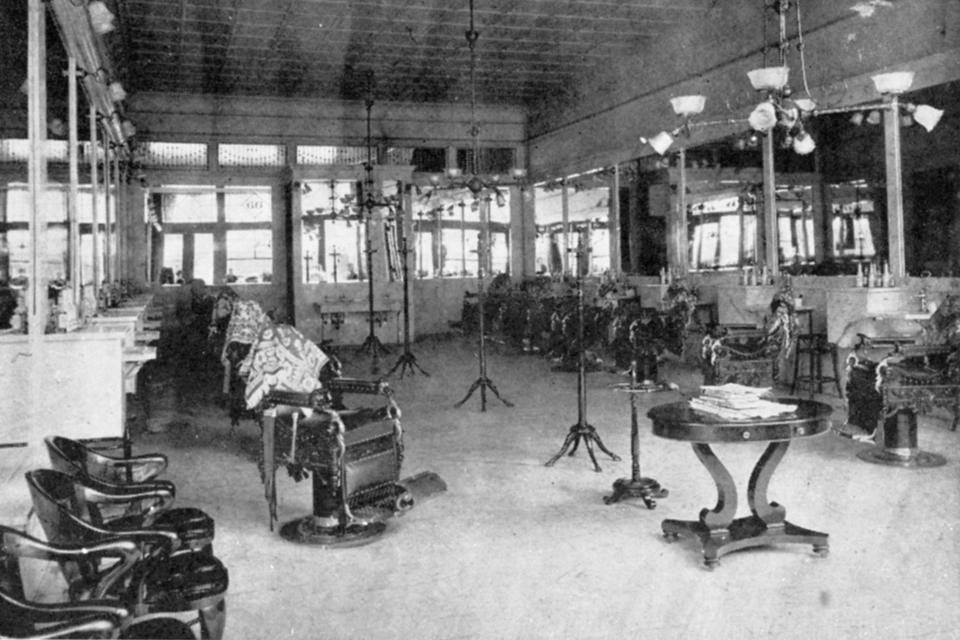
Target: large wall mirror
<point>571,214</point>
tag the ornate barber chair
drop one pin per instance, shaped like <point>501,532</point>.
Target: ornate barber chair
<point>90,611</point>
<point>354,456</point>
<point>751,357</point>
<point>170,577</point>
<point>891,379</point>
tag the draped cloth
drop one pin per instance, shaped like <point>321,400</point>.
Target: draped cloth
<point>281,358</point>
<point>246,320</point>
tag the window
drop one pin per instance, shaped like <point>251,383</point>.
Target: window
<point>14,231</point>
<point>218,234</point>
<point>722,229</point>
<point>448,228</point>
<point>333,233</point>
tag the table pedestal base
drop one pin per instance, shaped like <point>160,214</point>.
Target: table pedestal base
<point>744,533</point>
<point>720,533</point>
<point>647,489</point>
<point>309,530</point>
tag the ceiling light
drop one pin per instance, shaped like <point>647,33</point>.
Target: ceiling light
<point>763,117</point>
<point>769,78</point>
<point>803,143</point>
<point>687,106</point>
<point>873,117</point>
<point>857,119</point>
<point>893,83</point>
<point>100,17</point>
<point>927,116</point>
<point>660,142</point>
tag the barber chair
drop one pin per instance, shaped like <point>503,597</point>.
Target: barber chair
<point>90,611</point>
<point>76,459</point>
<point>169,578</point>
<point>354,456</point>
<point>752,357</point>
<point>888,392</point>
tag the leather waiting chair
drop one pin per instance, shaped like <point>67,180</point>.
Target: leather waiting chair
<point>73,458</point>
<point>170,578</point>
<point>93,615</point>
<point>137,505</point>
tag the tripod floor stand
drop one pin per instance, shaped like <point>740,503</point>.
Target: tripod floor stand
<point>406,360</point>
<point>372,344</point>
<point>483,382</point>
<point>636,486</point>
<point>581,430</point>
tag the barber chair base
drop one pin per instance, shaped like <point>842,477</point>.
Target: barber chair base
<point>313,531</point>
<point>898,444</point>
<point>908,458</point>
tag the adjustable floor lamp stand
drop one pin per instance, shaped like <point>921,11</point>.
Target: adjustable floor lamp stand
<point>582,430</point>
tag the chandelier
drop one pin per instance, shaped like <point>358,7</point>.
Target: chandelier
<point>475,182</point>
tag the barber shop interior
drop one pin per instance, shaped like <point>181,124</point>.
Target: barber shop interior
<point>479,319</point>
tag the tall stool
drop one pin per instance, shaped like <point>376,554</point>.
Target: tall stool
<point>814,347</point>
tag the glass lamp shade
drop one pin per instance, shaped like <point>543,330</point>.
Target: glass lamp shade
<point>661,142</point>
<point>805,104</point>
<point>927,116</point>
<point>803,143</point>
<point>763,117</point>
<point>454,172</point>
<point>688,105</point>
<point>895,82</point>
<point>769,78</point>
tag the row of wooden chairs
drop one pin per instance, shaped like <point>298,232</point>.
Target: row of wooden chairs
<point>134,565</point>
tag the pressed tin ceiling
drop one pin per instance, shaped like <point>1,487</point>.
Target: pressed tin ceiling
<point>400,50</point>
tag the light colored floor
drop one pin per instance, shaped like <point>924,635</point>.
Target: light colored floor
<point>516,550</point>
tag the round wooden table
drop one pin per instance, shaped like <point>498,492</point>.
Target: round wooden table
<point>719,532</point>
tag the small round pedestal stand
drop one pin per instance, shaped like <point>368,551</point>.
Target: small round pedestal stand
<point>636,486</point>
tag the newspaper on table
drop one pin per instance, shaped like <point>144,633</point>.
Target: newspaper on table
<point>739,402</point>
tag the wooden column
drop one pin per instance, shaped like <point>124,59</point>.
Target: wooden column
<point>770,244</point>
<point>94,205</point>
<point>893,160</point>
<point>76,271</point>
<point>681,233</point>
<point>613,222</point>
<point>565,224</point>
<point>36,294</point>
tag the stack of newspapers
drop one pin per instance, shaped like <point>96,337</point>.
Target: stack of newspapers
<point>738,402</point>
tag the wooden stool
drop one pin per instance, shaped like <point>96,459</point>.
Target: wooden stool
<point>815,346</point>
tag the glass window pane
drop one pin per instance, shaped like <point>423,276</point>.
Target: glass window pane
<point>424,254</point>
<point>203,256</point>
<point>172,255</point>
<point>189,206</point>
<point>247,205</point>
<point>249,255</point>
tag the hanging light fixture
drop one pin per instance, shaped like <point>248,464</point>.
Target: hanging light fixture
<point>476,183</point>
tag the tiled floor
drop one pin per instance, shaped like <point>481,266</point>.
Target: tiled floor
<point>514,549</point>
